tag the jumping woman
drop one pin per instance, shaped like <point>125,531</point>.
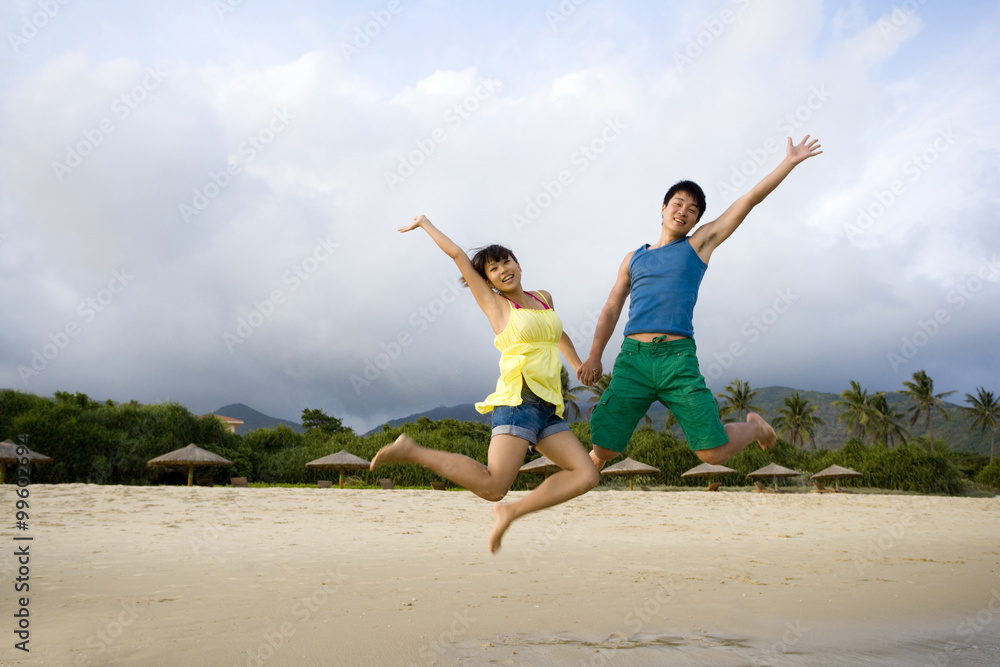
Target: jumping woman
<point>527,405</point>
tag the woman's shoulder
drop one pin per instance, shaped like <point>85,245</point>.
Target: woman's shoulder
<point>543,295</point>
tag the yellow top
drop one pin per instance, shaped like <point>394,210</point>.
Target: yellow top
<point>528,349</point>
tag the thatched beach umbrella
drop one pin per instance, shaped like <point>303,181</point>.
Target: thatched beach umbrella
<point>774,471</point>
<point>708,470</point>
<point>191,456</point>
<point>341,461</point>
<point>541,465</point>
<point>8,455</point>
<point>834,473</point>
<point>630,468</point>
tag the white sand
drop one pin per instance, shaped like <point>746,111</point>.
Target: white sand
<point>222,576</point>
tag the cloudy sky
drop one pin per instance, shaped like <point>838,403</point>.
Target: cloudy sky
<point>199,198</point>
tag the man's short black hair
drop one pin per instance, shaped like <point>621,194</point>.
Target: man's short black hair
<point>692,189</point>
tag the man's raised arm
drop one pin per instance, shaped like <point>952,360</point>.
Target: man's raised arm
<point>710,236</point>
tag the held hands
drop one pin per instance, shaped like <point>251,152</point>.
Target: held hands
<point>802,150</point>
<point>418,221</point>
<point>589,372</point>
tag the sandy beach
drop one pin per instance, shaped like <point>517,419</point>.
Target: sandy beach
<point>223,576</point>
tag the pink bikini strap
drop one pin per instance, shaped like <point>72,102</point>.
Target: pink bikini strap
<point>538,300</point>
<point>532,296</point>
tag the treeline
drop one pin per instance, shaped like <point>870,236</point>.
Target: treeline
<point>108,443</point>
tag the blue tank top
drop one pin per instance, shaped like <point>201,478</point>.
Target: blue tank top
<point>664,288</point>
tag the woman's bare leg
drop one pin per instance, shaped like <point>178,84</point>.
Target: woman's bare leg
<point>578,475</point>
<point>489,482</point>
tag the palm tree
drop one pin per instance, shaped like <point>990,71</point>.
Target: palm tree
<point>857,410</point>
<point>596,390</point>
<point>921,392</point>
<point>668,426</point>
<point>985,412</point>
<point>884,421</point>
<point>797,420</point>
<point>738,398</point>
<point>569,396</point>
<point>671,422</point>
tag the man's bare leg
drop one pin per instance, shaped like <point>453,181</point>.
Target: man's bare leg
<point>740,435</point>
<point>599,456</point>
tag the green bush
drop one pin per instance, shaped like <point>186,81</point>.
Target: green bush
<point>990,475</point>
<point>664,451</point>
<point>910,468</point>
<point>106,443</point>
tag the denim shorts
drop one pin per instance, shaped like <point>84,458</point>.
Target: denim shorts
<point>533,420</point>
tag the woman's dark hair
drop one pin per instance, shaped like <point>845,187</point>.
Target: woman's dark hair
<point>692,189</point>
<point>490,253</point>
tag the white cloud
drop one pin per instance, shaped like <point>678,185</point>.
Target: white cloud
<point>294,240</point>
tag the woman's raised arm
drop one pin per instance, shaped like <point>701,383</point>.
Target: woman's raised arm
<point>487,299</point>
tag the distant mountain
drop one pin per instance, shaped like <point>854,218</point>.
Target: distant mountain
<point>465,412</point>
<point>253,420</point>
<point>831,435</point>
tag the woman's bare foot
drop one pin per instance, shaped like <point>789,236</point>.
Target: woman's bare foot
<point>504,515</point>
<point>765,434</point>
<point>398,451</point>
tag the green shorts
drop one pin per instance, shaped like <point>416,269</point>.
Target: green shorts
<point>666,372</point>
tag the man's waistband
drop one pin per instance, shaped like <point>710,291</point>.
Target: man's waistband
<point>659,346</point>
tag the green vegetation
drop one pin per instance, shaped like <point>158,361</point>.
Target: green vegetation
<point>108,443</point>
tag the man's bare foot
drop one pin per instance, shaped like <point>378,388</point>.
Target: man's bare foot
<point>503,513</point>
<point>765,434</point>
<point>399,450</point>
